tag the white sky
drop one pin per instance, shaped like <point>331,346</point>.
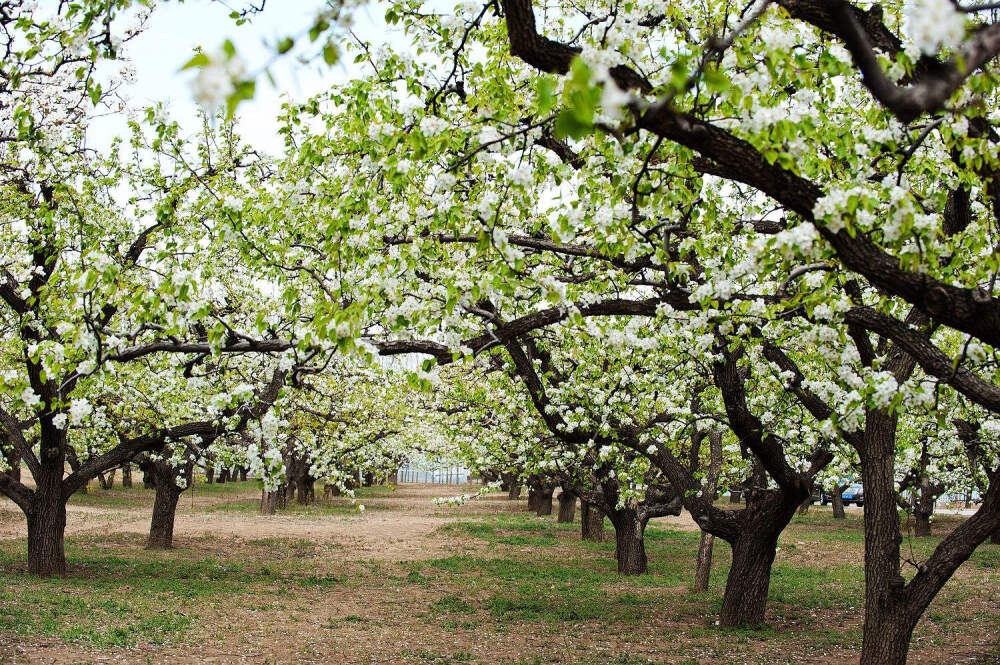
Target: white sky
<point>176,29</point>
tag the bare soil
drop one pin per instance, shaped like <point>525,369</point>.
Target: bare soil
<point>376,616</point>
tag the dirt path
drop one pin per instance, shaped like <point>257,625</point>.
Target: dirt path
<point>395,527</point>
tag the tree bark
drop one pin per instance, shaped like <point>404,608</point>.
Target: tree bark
<point>766,515</point>
<point>887,632</point>
<point>223,477</point>
<point>268,501</point>
<point>734,496</point>
<point>630,548</point>
<point>889,646</point>
<point>591,522</point>
<point>532,496</point>
<point>704,567</point>
<point>243,474</point>
<point>543,502</point>
<point>804,506</point>
<point>995,538</point>
<point>107,482</point>
<point>921,523</point>
<point>168,491</point>
<point>161,527</point>
<point>306,488</point>
<point>209,474</point>
<point>514,493</point>
<point>838,502</point>
<point>46,530</point>
<point>567,507</point>
<point>127,476</point>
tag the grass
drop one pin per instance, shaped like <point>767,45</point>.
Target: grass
<point>513,576</point>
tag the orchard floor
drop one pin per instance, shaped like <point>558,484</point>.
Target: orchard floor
<point>408,581</point>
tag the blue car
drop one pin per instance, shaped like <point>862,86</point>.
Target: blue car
<point>854,494</point>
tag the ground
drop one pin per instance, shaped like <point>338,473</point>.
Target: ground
<point>408,581</point>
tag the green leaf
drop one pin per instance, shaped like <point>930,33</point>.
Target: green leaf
<point>331,54</point>
<point>716,81</point>
<point>199,60</point>
<point>545,88</point>
<point>244,90</point>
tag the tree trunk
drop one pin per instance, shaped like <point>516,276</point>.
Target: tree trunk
<point>161,528</point>
<point>591,522</point>
<point>567,507</point>
<point>766,515</point>
<point>243,474</point>
<point>886,634</point>
<point>106,481</point>
<point>745,598</point>
<point>289,494</point>
<point>209,474</point>
<point>127,476</point>
<point>543,502</point>
<point>630,549</point>
<point>921,523</point>
<point>886,638</point>
<point>268,501</point>
<point>306,489</point>
<point>514,493</point>
<point>995,538</point>
<point>532,496</point>
<point>704,567</point>
<point>282,500</point>
<point>47,521</point>
<point>223,477</point>
<point>734,496</point>
<point>838,502</point>
<point>804,506</point>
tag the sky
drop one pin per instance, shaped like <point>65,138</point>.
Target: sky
<point>175,29</point>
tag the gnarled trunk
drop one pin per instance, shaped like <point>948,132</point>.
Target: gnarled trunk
<point>209,474</point>
<point>921,523</point>
<point>591,522</point>
<point>46,529</point>
<point>514,493</point>
<point>766,515</point>
<point>995,538</point>
<point>127,476</point>
<point>223,476</point>
<point>106,481</point>
<point>168,491</point>
<point>745,599</point>
<point>630,548</point>
<point>704,566</point>
<point>886,635</point>
<point>567,507</point>
<point>161,527</point>
<point>306,488</point>
<point>838,502</point>
<point>532,495</point>
<point>268,501</point>
<point>543,502</point>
